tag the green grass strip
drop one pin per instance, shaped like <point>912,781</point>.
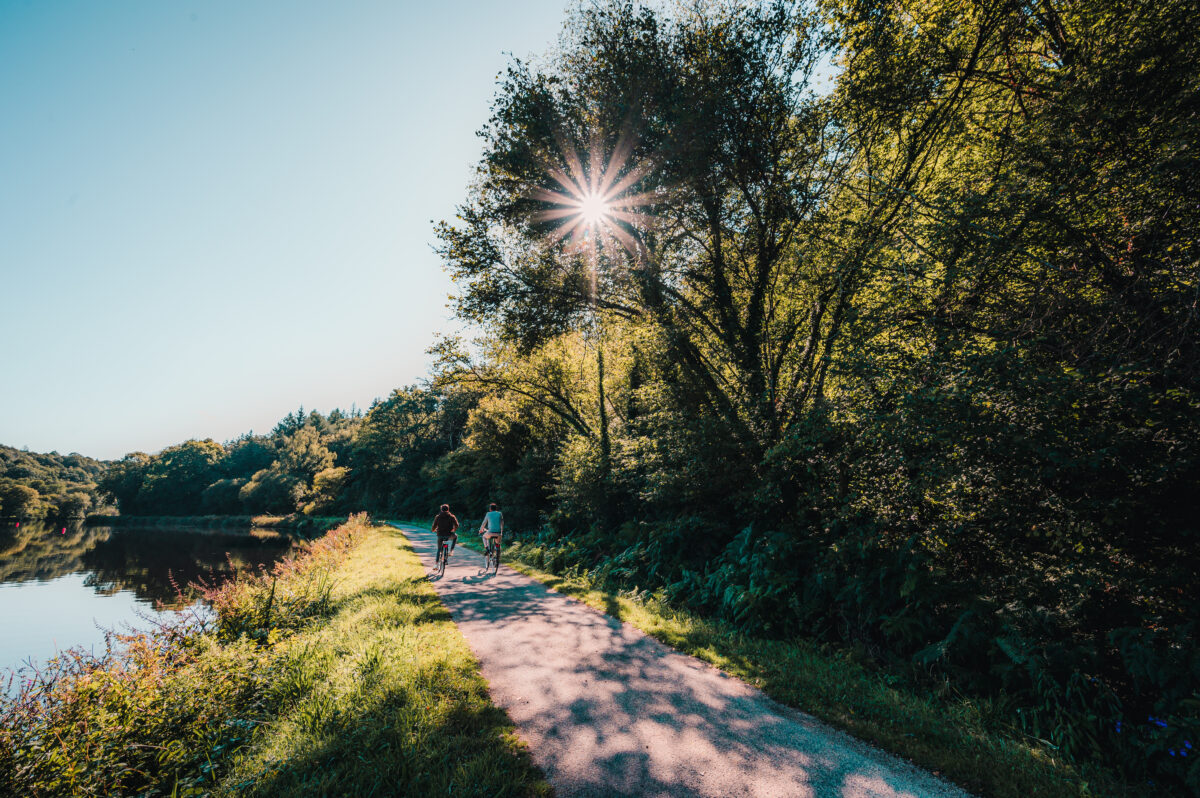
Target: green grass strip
<point>336,673</point>
<point>383,698</point>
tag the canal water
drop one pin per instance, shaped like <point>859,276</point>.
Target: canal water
<point>62,588</point>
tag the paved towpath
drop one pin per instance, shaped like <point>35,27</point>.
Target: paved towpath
<point>609,711</point>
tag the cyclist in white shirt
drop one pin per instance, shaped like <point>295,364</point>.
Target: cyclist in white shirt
<point>493,524</point>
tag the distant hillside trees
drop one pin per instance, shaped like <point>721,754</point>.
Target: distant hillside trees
<point>46,486</point>
<point>293,469</point>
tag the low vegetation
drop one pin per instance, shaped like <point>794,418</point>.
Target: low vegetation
<point>335,672</point>
<point>969,741</point>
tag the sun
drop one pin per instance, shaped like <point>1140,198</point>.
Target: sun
<point>594,209</point>
<point>595,204</point>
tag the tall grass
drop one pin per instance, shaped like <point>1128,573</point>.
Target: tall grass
<point>384,698</point>
<point>335,671</point>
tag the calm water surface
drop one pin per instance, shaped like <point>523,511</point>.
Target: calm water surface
<point>62,590</point>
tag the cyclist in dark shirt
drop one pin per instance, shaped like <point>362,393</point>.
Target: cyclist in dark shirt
<point>444,525</point>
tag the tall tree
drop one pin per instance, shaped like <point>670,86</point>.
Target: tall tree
<point>708,122</point>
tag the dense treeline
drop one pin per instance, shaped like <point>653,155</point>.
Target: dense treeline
<point>401,457</point>
<point>906,363</point>
<point>47,486</point>
<point>909,364</point>
<point>292,469</point>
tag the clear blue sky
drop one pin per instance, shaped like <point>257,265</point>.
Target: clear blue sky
<point>213,212</point>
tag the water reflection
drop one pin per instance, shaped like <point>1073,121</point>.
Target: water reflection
<point>58,584</point>
<point>151,562</point>
<point>148,562</point>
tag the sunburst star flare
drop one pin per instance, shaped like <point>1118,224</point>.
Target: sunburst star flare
<point>591,201</point>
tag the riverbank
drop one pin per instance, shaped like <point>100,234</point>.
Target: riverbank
<point>296,522</point>
<point>337,672</point>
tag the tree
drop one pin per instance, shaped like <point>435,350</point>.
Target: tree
<point>18,501</point>
<point>246,455</point>
<point>327,488</point>
<point>223,497</point>
<point>290,424</point>
<point>933,332</point>
<point>177,476</point>
<point>271,491</point>
<point>74,505</point>
<point>304,455</point>
<point>122,481</point>
<point>397,437</point>
<point>743,154</point>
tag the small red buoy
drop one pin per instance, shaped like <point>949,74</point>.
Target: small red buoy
<point>64,530</point>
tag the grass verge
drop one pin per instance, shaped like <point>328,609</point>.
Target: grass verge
<point>963,739</point>
<point>339,672</point>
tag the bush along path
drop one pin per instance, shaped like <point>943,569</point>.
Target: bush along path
<point>609,711</point>
<point>338,673</point>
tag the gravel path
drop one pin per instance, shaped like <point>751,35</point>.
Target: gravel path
<point>608,711</point>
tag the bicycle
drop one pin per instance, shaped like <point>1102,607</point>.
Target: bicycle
<point>439,564</point>
<point>491,556</point>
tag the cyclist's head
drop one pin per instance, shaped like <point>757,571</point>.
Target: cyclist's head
<point>445,508</point>
<point>493,506</point>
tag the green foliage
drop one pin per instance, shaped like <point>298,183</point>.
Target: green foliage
<point>18,500</point>
<point>252,474</point>
<point>906,364</point>
<point>122,480</point>
<point>175,477</point>
<point>51,486</point>
<point>327,487</point>
<point>395,440</point>
<point>293,686</point>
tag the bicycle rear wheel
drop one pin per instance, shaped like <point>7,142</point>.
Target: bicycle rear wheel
<point>494,558</point>
<point>440,565</point>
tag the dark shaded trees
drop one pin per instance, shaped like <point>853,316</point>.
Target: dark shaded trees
<point>933,332</point>
<point>123,480</point>
<point>712,122</point>
<point>176,477</point>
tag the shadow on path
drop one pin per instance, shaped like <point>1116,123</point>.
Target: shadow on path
<point>609,711</point>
